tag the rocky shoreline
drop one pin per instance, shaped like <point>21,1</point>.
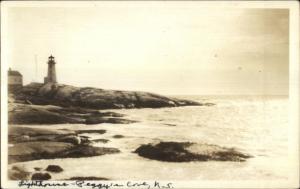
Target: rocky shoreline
<point>50,103</point>
<point>27,144</point>
<point>33,144</point>
<point>30,143</point>
<point>94,98</point>
<point>39,104</point>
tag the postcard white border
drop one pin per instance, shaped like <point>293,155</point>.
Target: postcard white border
<point>293,6</point>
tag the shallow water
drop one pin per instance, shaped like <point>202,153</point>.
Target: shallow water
<point>255,125</point>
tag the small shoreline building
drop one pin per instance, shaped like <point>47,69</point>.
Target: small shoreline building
<point>15,80</point>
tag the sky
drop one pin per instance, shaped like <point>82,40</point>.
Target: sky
<point>163,48</point>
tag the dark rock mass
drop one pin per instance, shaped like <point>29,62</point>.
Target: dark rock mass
<point>186,152</point>
<point>99,131</point>
<point>101,140</point>
<point>54,168</point>
<point>40,176</point>
<point>118,136</point>
<point>94,98</point>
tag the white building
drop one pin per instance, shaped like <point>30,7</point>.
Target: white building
<point>15,79</point>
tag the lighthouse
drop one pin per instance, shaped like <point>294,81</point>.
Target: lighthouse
<point>51,77</point>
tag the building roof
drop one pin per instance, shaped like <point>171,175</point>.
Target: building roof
<point>13,73</point>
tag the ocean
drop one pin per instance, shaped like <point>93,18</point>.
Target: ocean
<point>256,125</point>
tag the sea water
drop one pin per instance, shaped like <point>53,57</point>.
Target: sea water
<point>256,125</point>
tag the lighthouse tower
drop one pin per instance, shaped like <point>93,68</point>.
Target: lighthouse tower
<point>51,77</point>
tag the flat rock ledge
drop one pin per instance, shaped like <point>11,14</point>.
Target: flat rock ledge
<point>49,114</point>
<point>51,150</point>
<point>187,152</point>
<point>32,144</point>
<point>94,98</point>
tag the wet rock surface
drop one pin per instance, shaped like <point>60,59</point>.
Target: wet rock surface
<point>170,124</point>
<point>99,131</point>
<point>95,98</point>
<point>49,114</point>
<point>118,136</point>
<point>101,140</point>
<point>186,152</point>
<point>41,176</point>
<point>97,120</point>
<point>49,144</point>
<point>54,168</point>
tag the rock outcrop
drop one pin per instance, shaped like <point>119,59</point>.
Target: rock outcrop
<point>48,144</point>
<point>186,152</point>
<point>54,168</point>
<point>49,114</point>
<point>40,176</point>
<point>94,98</point>
<point>54,103</point>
